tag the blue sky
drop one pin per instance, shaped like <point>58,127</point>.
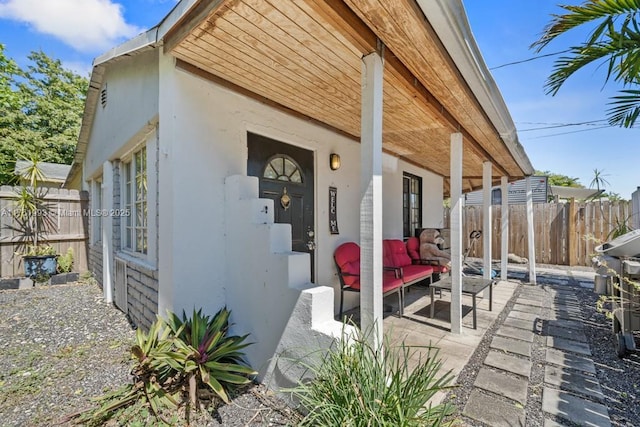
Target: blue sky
<point>76,31</point>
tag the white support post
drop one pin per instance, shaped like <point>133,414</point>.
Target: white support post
<point>371,311</point>
<point>530,234</point>
<point>487,222</point>
<point>107,232</point>
<point>456,232</point>
<point>504,250</point>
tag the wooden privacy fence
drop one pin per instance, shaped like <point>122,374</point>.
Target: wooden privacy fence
<point>68,216</point>
<point>564,233</point>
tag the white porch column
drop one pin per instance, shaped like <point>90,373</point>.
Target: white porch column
<point>371,198</point>
<point>487,233</point>
<point>504,250</point>
<point>456,232</point>
<point>107,231</point>
<point>530,239</point>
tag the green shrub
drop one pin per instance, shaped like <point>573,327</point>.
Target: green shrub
<point>174,361</point>
<point>357,384</point>
<point>65,262</point>
<point>212,357</point>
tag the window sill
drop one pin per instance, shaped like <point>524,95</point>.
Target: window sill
<point>131,257</point>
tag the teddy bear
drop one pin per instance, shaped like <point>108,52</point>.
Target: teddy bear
<point>430,238</point>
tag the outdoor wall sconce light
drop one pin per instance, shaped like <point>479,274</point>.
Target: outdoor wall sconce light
<point>334,161</point>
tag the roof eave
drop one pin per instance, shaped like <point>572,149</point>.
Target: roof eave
<point>448,19</point>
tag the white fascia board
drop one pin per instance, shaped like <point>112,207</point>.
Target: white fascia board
<point>148,38</point>
<point>181,9</point>
<point>142,42</point>
<point>449,20</point>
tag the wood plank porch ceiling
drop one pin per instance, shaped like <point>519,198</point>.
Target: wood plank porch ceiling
<point>305,55</point>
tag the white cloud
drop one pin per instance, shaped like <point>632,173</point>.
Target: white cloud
<point>86,25</point>
<point>81,68</point>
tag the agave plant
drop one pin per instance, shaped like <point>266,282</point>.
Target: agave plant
<point>211,357</point>
<point>153,370</point>
<point>177,354</point>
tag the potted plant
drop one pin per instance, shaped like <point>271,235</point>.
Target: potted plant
<point>65,265</point>
<point>40,262</point>
<point>32,218</point>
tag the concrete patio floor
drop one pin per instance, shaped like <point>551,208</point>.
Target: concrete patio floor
<point>544,320</point>
<point>416,328</point>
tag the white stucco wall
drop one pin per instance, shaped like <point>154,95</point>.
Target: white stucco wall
<point>432,196</point>
<point>203,139</point>
<point>132,102</point>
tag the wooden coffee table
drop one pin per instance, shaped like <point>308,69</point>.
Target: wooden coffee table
<point>471,285</point>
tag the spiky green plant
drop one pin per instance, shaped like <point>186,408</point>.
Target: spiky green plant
<point>211,356</point>
<point>176,358</point>
<point>358,384</point>
<point>152,372</point>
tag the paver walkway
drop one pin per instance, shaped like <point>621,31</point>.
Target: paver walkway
<point>545,321</point>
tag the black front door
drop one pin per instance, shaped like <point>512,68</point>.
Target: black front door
<point>286,175</point>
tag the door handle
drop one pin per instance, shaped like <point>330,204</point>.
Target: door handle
<point>311,242</point>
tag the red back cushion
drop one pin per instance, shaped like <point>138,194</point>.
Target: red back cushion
<point>413,248</point>
<point>396,253</point>
<point>347,257</point>
<point>387,257</point>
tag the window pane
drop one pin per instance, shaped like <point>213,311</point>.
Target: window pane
<point>270,173</point>
<point>289,167</point>
<point>278,166</point>
<point>412,205</point>
<point>296,177</point>
<point>135,200</point>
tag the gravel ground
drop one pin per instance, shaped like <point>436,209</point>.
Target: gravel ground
<point>62,345</point>
<point>619,378</point>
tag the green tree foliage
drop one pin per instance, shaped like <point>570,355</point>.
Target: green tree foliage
<point>560,180</point>
<point>40,111</point>
<point>614,41</point>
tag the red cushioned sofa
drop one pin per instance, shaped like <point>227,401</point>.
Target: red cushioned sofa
<point>347,259</point>
<point>395,255</point>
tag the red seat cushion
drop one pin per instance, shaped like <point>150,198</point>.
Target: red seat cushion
<point>347,257</point>
<point>440,268</point>
<point>390,281</point>
<point>416,271</point>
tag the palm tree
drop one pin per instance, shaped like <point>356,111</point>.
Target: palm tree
<point>615,41</point>
<point>599,180</point>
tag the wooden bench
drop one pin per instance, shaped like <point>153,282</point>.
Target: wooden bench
<point>470,286</point>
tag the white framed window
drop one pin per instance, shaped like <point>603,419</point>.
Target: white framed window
<point>411,204</point>
<point>135,236</point>
<point>138,205</point>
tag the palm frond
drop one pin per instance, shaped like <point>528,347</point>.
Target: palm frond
<point>621,52</point>
<point>590,10</point>
<point>625,108</point>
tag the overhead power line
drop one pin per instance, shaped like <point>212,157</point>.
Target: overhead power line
<point>529,59</point>
<point>561,125</point>
<point>575,131</point>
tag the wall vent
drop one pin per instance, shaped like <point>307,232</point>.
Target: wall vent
<point>103,96</point>
<point>120,283</point>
